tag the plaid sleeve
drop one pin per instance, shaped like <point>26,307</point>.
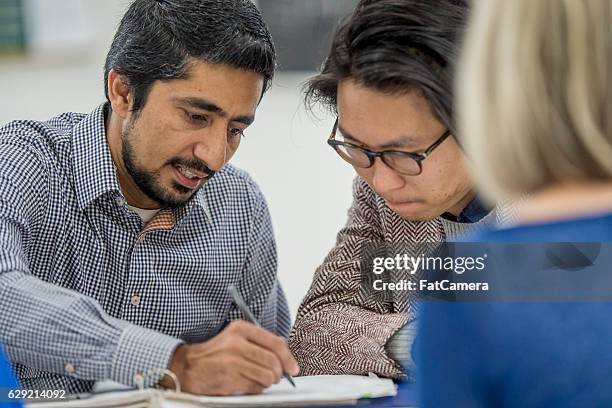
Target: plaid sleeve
<point>48,327</point>
<point>140,350</point>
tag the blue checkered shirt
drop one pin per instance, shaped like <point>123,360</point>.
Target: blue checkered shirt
<point>87,292</point>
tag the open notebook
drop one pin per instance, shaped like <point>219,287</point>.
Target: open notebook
<point>310,390</point>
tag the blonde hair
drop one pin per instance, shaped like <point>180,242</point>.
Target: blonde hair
<point>534,92</point>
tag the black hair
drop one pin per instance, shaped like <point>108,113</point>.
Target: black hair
<point>395,46</point>
<point>157,40</point>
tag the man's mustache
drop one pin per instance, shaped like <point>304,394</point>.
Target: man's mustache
<point>196,165</point>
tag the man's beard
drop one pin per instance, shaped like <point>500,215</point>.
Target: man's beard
<point>148,182</point>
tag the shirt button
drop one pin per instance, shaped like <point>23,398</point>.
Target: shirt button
<point>119,201</point>
<point>69,368</point>
<point>139,379</point>
<point>135,299</point>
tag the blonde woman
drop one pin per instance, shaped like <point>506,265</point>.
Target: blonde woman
<point>535,106</point>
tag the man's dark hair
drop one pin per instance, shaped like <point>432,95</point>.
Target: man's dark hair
<point>395,46</point>
<point>157,40</point>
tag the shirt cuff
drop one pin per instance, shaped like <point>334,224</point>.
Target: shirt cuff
<point>400,346</point>
<point>142,351</point>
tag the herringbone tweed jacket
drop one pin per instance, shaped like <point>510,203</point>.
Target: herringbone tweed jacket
<point>340,330</point>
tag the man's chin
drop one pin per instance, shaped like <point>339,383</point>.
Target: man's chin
<point>178,190</point>
<point>413,211</point>
<point>178,194</point>
<point>171,196</point>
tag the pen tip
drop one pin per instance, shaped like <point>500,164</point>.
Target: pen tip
<point>290,380</point>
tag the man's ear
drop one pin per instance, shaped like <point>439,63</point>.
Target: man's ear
<point>119,93</point>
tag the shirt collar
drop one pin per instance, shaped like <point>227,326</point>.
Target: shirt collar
<point>95,172</point>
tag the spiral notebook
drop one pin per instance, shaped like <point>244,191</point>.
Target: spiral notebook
<point>309,391</point>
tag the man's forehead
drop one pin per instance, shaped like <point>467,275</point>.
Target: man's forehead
<point>226,96</point>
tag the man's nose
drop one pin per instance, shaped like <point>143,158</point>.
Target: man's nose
<point>211,147</point>
<point>384,178</point>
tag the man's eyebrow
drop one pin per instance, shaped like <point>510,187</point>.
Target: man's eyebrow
<point>203,104</point>
<point>209,106</point>
<point>245,120</point>
<point>401,142</point>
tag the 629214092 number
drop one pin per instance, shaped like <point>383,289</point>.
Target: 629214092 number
<point>13,394</point>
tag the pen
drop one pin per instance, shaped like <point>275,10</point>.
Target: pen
<point>242,306</point>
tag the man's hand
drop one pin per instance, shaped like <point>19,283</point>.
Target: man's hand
<point>242,359</point>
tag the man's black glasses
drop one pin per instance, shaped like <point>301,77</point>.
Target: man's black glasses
<point>403,162</point>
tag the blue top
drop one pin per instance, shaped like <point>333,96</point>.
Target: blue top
<point>520,354</point>
<point>7,383</point>
<point>597,228</point>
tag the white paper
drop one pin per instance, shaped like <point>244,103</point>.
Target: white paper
<point>309,390</point>
<point>313,390</point>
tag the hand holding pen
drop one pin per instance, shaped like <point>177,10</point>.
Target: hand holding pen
<point>242,359</point>
<point>244,309</point>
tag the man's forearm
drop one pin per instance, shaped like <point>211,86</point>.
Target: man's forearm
<point>62,331</point>
<point>345,339</point>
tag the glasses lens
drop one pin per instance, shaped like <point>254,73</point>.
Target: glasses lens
<point>353,155</point>
<point>402,163</point>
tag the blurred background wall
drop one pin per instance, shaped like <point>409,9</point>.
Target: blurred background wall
<point>51,60</point>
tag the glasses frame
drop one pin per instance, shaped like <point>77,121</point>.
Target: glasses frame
<point>371,155</point>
